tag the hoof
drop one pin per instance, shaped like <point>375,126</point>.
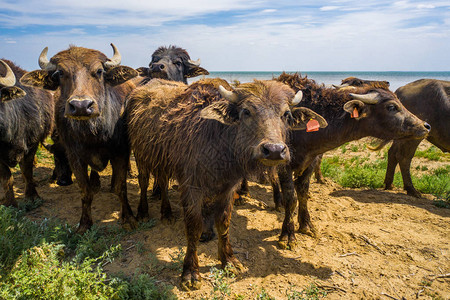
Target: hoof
<point>168,220</point>
<point>130,223</point>
<point>235,266</point>
<point>83,228</point>
<point>64,181</point>
<point>308,231</point>
<point>207,236</point>
<point>190,285</point>
<point>287,245</point>
<point>143,217</point>
<point>414,193</point>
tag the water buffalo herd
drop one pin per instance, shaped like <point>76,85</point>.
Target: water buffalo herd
<point>209,136</point>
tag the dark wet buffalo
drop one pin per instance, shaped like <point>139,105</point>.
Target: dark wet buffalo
<point>26,118</point>
<point>351,115</point>
<point>172,63</point>
<point>208,137</point>
<point>90,90</point>
<point>429,99</point>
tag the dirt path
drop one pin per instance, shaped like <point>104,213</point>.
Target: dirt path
<point>370,241</point>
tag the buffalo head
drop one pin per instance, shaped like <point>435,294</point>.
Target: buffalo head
<point>382,115</point>
<point>172,63</point>
<point>7,81</point>
<point>81,77</point>
<point>263,114</point>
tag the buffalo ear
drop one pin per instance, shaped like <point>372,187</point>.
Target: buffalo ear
<point>143,71</point>
<point>39,78</point>
<point>356,108</point>
<point>194,71</point>
<point>120,74</point>
<point>11,93</point>
<point>302,115</point>
<point>220,111</point>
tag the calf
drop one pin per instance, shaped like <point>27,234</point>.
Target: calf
<point>367,111</point>
<point>209,137</point>
<point>90,90</point>
<point>24,123</point>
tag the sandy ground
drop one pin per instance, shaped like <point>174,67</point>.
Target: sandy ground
<point>372,244</point>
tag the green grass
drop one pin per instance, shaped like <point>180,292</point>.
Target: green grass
<point>357,172</point>
<point>311,292</point>
<point>46,260</point>
<point>432,153</point>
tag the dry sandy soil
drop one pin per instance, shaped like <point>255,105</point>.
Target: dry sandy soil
<point>372,244</point>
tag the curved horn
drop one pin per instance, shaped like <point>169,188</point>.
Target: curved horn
<point>10,78</point>
<point>229,95</point>
<point>44,63</point>
<point>370,98</point>
<point>340,86</point>
<point>298,97</point>
<point>115,60</point>
<point>196,62</point>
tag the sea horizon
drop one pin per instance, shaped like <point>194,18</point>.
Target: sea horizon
<point>395,78</point>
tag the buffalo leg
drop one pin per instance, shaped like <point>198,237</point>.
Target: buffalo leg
<point>62,171</point>
<point>317,171</point>
<point>391,164</point>
<point>120,169</point>
<point>302,183</point>
<point>208,224</point>
<point>26,166</point>
<point>94,181</point>
<point>407,153</point>
<point>166,209</point>
<point>81,174</point>
<point>7,182</point>
<point>287,238</point>
<point>222,221</point>
<point>243,190</point>
<point>277,197</point>
<point>143,178</point>
<point>192,207</point>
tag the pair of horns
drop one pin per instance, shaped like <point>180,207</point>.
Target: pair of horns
<point>9,79</point>
<point>370,98</point>
<point>232,96</point>
<point>45,64</point>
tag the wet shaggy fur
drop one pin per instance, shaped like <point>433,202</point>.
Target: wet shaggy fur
<point>94,140</point>
<point>375,120</point>
<point>354,81</point>
<point>207,157</point>
<point>24,123</point>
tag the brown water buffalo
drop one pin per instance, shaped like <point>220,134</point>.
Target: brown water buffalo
<point>172,63</point>
<point>429,99</point>
<point>357,82</point>
<point>26,118</point>
<point>90,90</point>
<point>366,111</point>
<point>208,137</point>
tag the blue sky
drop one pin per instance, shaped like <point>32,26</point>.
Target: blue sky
<point>238,35</point>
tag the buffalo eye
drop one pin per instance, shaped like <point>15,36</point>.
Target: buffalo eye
<point>178,63</point>
<point>245,113</point>
<point>392,108</point>
<point>57,75</point>
<point>99,72</point>
<point>287,115</point>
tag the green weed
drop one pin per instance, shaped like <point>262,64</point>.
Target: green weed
<point>311,292</point>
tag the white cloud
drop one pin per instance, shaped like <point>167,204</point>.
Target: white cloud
<point>329,8</point>
<point>294,40</point>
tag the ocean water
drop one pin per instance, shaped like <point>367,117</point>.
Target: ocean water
<point>396,79</point>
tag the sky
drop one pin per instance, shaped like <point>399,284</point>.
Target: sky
<point>238,35</point>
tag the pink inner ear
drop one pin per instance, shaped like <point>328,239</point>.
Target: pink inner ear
<point>355,113</point>
<point>312,125</point>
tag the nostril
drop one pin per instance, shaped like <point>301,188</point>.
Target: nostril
<point>283,150</point>
<point>90,104</point>
<point>427,126</point>
<point>72,108</point>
